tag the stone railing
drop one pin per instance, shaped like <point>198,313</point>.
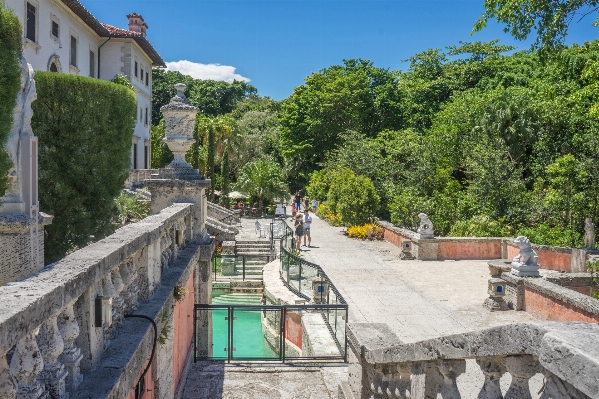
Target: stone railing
<point>221,213</point>
<point>137,177</point>
<point>50,339</point>
<point>565,354</point>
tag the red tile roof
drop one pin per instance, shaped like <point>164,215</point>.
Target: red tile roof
<point>104,30</point>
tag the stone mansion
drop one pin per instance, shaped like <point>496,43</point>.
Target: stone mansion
<point>63,36</point>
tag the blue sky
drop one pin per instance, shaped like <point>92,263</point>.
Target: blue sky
<point>276,44</point>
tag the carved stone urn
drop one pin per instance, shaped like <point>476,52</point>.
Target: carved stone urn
<point>180,118</point>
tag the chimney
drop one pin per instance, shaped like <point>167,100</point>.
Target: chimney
<point>137,24</point>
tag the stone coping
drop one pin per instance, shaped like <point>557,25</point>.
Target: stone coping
<point>116,374</point>
<point>568,350</point>
<point>563,278</point>
<point>555,291</point>
<point>176,184</point>
<point>26,304</point>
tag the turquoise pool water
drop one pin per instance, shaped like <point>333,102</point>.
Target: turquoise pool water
<point>248,339</point>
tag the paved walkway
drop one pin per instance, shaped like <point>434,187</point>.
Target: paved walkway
<point>417,299</point>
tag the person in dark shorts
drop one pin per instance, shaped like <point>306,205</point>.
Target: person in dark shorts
<point>299,230</point>
<point>298,201</point>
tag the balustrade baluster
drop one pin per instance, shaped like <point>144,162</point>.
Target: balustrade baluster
<point>555,388</point>
<point>118,303</point>
<point>51,346</point>
<point>522,368</point>
<point>8,384</point>
<point>451,370</point>
<point>26,364</point>
<point>127,279</point>
<point>493,369</point>
<point>71,356</point>
<point>133,287</point>
<point>108,291</point>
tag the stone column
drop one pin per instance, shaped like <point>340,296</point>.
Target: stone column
<point>71,356</point>
<point>51,346</point>
<point>522,368</point>
<point>8,384</point>
<point>133,289</point>
<point>127,280</point>
<point>493,369</point>
<point>26,364</point>
<point>555,388</point>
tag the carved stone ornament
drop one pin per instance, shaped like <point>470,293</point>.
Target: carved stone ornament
<point>589,233</point>
<point>525,263</point>
<point>426,226</point>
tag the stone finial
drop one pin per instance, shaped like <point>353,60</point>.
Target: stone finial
<point>525,263</point>
<point>589,233</point>
<point>180,117</point>
<point>426,227</point>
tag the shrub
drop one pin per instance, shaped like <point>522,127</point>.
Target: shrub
<point>130,208</point>
<point>357,201</point>
<point>325,212</point>
<point>555,236</point>
<point>480,226</point>
<point>10,83</point>
<point>84,127</point>
<point>371,231</point>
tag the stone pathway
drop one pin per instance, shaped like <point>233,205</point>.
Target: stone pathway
<point>417,299</point>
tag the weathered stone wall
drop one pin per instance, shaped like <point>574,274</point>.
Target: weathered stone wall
<point>465,248</point>
<point>545,307</point>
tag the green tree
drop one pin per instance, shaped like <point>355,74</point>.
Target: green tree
<point>225,171</point>
<point>358,200</point>
<point>84,127</point>
<point>549,18</point>
<point>161,154</point>
<point>210,161</point>
<point>263,180</point>
<point>10,83</point>
<point>353,96</point>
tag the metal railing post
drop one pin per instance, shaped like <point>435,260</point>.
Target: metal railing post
<point>283,332</point>
<point>299,283</point>
<point>243,267</point>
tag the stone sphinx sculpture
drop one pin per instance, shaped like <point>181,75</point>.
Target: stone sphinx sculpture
<point>525,264</point>
<point>589,233</point>
<point>426,227</point>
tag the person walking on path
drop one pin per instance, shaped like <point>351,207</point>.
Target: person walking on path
<point>297,200</point>
<point>307,220</point>
<point>314,202</point>
<point>299,231</point>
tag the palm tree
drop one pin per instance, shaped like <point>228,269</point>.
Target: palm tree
<point>262,179</point>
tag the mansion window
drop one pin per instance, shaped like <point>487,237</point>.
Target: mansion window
<point>135,70</point>
<point>147,79</point>
<point>53,67</point>
<point>141,73</point>
<point>55,30</point>
<point>92,64</point>
<point>73,57</point>
<point>146,120</point>
<point>31,22</point>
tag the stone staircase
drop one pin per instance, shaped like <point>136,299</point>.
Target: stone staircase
<point>253,248</point>
<point>226,232</point>
<point>237,299</point>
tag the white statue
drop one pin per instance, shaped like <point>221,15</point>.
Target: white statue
<point>426,226</point>
<point>589,233</point>
<point>525,264</point>
<point>21,127</point>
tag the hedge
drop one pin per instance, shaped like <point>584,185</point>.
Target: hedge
<point>10,83</point>
<point>85,129</point>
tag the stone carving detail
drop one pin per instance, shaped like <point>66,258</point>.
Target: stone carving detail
<point>51,346</point>
<point>525,264</point>
<point>108,291</point>
<point>21,127</point>
<point>451,370</point>
<point>426,227</point>
<point>26,364</point>
<point>133,289</point>
<point>127,280</point>
<point>589,233</point>
<point>71,356</point>
<point>166,249</point>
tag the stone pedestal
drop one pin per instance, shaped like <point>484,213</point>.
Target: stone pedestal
<point>496,293</point>
<point>21,246</point>
<point>520,269</point>
<point>228,266</point>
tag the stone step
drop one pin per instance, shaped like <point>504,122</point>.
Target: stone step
<point>247,284</point>
<point>244,242</point>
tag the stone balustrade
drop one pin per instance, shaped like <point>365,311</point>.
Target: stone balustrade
<point>221,213</point>
<point>49,341</point>
<point>138,176</point>
<point>566,354</point>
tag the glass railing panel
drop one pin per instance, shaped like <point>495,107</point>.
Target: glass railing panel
<point>256,333</point>
<point>212,334</point>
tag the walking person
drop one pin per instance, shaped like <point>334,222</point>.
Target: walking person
<point>299,231</point>
<point>298,201</point>
<point>306,203</point>
<point>307,220</point>
<point>314,203</point>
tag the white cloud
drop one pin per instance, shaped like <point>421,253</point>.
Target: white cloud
<point>206,71</point>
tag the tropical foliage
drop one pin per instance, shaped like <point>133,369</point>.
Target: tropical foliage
<point>263,180</point>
